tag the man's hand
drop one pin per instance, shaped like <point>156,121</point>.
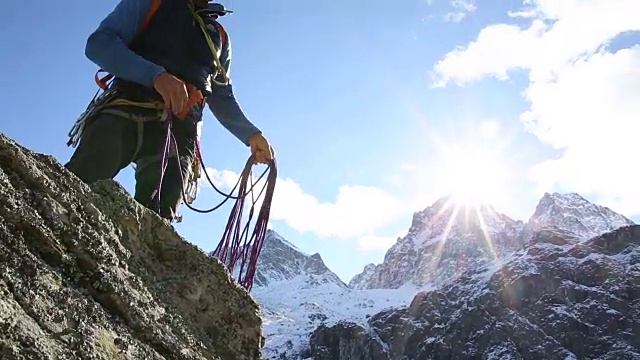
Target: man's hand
<point>261,149</point>
<point>173,92</point>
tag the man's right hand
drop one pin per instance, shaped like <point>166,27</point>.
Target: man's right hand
<point>261,149</point>
<point>173,92</point>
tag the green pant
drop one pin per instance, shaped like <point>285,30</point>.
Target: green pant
<point>110,142</point>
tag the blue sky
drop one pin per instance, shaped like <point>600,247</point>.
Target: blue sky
<point>346,93</point>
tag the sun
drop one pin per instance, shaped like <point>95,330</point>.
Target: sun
<point>472,175</point>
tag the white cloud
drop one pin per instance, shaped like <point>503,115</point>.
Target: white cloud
<point>461,9</point>
<point>356,211</point>
<point>582,27</point>
<point>454,16</point>
<point>394,180</point>
<point>597,126</point>
<point>583,98</point>
<point>489,128</point>
<point>410,167</point>
<point>497,49</point>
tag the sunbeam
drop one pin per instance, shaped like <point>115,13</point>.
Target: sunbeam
<point>472,172</point>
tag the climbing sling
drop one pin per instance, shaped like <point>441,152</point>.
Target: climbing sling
<point>236,249</point>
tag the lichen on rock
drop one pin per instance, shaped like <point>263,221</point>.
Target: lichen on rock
<point>88,273</point>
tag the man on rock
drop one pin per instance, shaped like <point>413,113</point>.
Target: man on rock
<point>167,59</point>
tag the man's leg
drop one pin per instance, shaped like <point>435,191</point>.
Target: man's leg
<point>106,147</point>
<point>149,167</point>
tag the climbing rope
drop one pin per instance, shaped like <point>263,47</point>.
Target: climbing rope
<point>232,248</point>
<point>212,47</point>
<point>236,250</point>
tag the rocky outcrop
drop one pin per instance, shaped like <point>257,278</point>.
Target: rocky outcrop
<point>444,240</point>
<point>574,213</point>
<point>87,273</point>
<point>346,341</point>
<point>558,298</point>
<point>297,293</point>
<point>281,261</point>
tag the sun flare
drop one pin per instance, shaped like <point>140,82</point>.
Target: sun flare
<point>472,175</point>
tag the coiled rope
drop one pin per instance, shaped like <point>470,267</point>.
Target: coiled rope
<point>236,250</point>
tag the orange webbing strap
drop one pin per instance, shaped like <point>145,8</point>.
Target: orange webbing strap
<point>223,35</point>
<point>195,97</point>
<point>103,82</point>
<point>155,5</point>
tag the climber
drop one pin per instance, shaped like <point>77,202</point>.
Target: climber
<point>166,58</point>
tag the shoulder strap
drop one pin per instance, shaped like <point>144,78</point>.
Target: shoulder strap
<point>223,35</point>
<point>224,39</point>
<point>155,5</point>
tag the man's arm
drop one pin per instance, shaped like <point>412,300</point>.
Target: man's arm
<point>108,47</point>
<point>225,107</point>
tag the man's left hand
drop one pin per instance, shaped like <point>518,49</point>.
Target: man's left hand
<point>261,150</point>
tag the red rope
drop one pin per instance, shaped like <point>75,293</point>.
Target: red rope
<point>232,250</point>
<point>164,162</point>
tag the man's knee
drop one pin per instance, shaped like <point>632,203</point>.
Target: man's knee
<point>105,148</point>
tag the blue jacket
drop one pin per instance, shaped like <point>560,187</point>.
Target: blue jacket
<point>120,47</point>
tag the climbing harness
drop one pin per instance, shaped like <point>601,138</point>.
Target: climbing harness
<point>106,101</point>
<point>236,250</point>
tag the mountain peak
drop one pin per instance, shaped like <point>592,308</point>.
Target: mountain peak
<point>446,215</point>
<point>546,300</point>
<point>447,237</point>
<point>280,261</point>
<point>573,212</point>
<point>273,239</point>
<point>564,198</point>
<point>444,239</point>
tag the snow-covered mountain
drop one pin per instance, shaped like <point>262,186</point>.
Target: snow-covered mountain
<point>430,254</point>
<point>558,298</point>
<point>572,212</point>
<point>281,261</point>
<point>444,240</point>
<point>299,294</point>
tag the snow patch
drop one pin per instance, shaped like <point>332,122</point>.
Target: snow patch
<point>292,310</point>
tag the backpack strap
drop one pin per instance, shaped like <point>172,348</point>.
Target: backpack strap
<point>223,35</point>
<point>155,5</point>
<point>103,82</point>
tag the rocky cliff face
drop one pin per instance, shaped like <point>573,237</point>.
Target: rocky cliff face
<point>297,293</point>
<point>281,261</point>
<point>560,297</point>
<point>308,310</point>
<point>86,273</point>
<point>573,213</point>
<point>292,288</point>
<point>443,242</point>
